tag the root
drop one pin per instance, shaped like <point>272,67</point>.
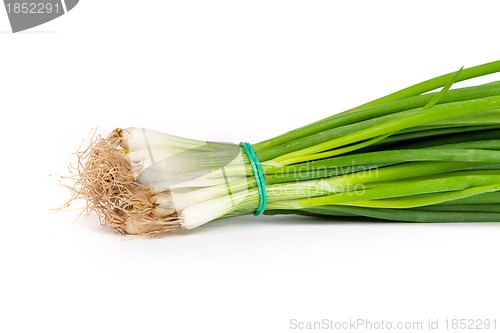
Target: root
<point>105,179</point>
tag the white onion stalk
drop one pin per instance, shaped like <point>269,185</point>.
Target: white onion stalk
<point>142,181</point>
<point>209,210</point>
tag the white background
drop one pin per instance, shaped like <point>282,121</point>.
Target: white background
<point>229,71</point>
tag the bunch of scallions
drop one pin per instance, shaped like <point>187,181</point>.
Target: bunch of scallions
<point>427,153</point>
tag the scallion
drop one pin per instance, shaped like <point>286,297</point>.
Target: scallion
<point>414,155</point>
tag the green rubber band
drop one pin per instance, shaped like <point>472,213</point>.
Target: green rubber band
<point>259,177</point>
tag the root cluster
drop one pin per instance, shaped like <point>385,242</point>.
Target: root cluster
<point>104,178</point>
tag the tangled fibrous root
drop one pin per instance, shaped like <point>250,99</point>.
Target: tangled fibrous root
<point>104,178</point>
